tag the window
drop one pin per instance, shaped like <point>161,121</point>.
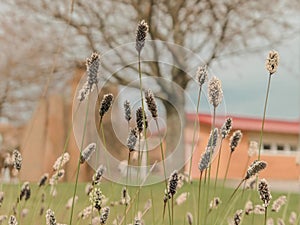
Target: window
<point>280,147</point>
<point>293,148</point>
<point>267,147</point>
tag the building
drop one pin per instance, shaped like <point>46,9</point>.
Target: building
<point>280,148</point>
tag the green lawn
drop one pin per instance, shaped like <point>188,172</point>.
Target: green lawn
<point>153,216</point>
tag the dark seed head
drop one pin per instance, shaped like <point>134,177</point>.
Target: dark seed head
<point>105,104</point>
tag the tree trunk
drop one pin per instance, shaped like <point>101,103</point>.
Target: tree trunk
<point>175,150</point>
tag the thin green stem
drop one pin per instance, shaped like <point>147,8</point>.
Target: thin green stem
<point>194,133</point>
<point>266,215</point>
<point>172,199</point>
<point>126,186</point>
<point>209,167</point>
<point>264,117</point>
<point>163,162</point>
<point>78,164</point>
<point>137,193</point>
<point>199,198</point>
<point>218,165</point>
<point>226,173</point>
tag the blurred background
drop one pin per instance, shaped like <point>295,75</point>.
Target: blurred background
<point>44,44</point>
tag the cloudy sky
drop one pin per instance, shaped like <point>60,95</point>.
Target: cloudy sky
<point>244,79</point>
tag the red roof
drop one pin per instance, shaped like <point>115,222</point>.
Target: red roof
<point>250,124</point>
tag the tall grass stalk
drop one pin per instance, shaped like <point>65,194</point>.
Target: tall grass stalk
<point>194,133</point>
<point>226,172</point>
<point>266,215</point>
<point>78,164</point>
<point>209,167</point>
<point>199,198</point>
<point>218,165</point>
<point>137,192</point>
<point>264,117</point>
<point>163,162</point>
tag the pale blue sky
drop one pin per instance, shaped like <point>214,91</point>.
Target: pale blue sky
<point>244,79</point>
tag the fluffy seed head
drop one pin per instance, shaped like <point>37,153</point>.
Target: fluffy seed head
<point>87,152</point>
<point>204,161</point>
<point>173,181</point>
<point>189,218</point>
<point>280,221</point>
<point>201,75</point>
<point>141,33</point>
<point>137,221</point>
<point>70,202</point>
<point>181,198</point>
<point>213,139</point>
<point>58,175</point>
<point>12,220</point>
<point>215,203</point>
<point>104,215</point>
<point>272,62</point>
<point>25,191</point>
<point>293,218</point>
<point>270,221</point>
<point>226,128</point>
<point>150,100</point>
<point>50,217</point>
<point>125,198</point>
<point>43,180</point>
<point>207,155</point>
<point>264,192</point>
<point>235,139</point>
<point>92,70</point>
<point>278,203</point>
<point>248,207</point>
<point>96,198</point>
<point>215,93</point>
<point>61,161</point>
<point>132,139</point>
<point>98,175</point>
<point>127,110</point>
<point>2,218</point>
<point>17,159</point>
<point>1,197</point>
<point>259,210</point>
<point>139,119</point>
<point>105,104</point>
<point>255,168</point>
<point>237,218</point>
<point>85,213</point>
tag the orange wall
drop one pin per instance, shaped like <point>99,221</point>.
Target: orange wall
<point>279,167</point>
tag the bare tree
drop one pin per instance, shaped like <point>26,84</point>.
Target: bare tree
<point>210,28</point>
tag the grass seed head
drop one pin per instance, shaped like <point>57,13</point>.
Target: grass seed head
<point>226,128</point>
<point>235,139</point>
<point>127,111</point>
<point>105,104</point>
<point>201,75</point>
<point>278,203</point>
<point>87,152</point>
<point>141,34</point>
<point>215,92</point>
<point>50,217</point>
<point>255,168</point>
<point>272,62</point>
<point>264,192</point>
<point>132,139</point>
<point>152,106</point>
<point>17,159</point>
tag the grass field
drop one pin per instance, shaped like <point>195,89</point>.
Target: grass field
<point>154,216</point>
